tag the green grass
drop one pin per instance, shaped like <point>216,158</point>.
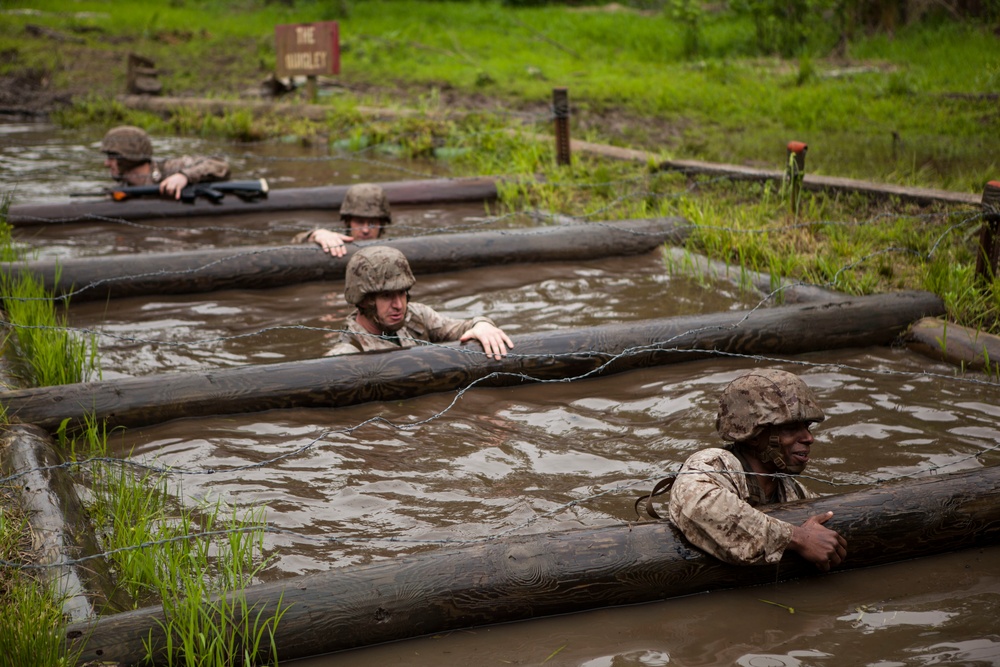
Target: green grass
<point>157,553</point>
<point>32,615</point>
<point>194,560</point>
<point>727,102</point>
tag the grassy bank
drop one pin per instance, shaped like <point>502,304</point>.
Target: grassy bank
<point>915,107</point>
<point>194,560</point>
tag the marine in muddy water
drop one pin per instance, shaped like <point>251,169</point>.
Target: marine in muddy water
<point>364,214</point>
<point>377,282</point>
<point>766,416</point>
<point>129,156</point>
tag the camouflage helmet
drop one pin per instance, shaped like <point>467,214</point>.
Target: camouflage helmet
<point>761,398</point>
<point>366,200</point>
<point>376,269</point>
<point>129,143</point>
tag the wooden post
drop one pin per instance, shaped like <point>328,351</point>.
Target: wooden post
<point>795,171</point>
<point>989,247</point>
<point>560,107</point>
<point>312,94</point>
<point>141,76</point>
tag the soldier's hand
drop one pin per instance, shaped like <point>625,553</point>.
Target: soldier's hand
<point>821,546</point>
<point>173,184</point>
<point>332,243</point>
<point>494,341</point>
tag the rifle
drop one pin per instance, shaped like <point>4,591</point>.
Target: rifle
<point>213,192</point>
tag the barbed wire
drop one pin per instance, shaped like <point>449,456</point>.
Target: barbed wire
<point>497,533</point>
<point>492,536</point>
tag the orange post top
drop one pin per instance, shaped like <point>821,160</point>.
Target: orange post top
<point>796,147</point>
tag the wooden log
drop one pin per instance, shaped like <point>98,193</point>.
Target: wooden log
<point>57,521</point>
<point>533,576</point>
<point>786,291</point>
<point>396,375</point>
<point>962,346</point>
<point>327,198</point>
<point>257,267</point>
<point>741,172</point>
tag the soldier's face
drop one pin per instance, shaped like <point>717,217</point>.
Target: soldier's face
<point>794,442</point>
<point>112,164</point>
<point>365,229</point>
<point>390,309</point>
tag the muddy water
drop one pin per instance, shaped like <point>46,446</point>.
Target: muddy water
<point>458,467</point>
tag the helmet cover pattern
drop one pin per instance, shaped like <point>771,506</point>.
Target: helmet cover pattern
<point>761,398</point>
<point>366,200</point>
<point>375,269</point>
<point>128,142</point>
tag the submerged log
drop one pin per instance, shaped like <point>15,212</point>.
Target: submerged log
<point>533,576</point>
<point>327,198</point>
<point>257,267</point>
<point>962,346</point>
<point>781,290</point>
<point>396,375</point>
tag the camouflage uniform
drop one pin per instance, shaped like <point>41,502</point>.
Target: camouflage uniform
<point>198,169</point>
<point>375,269</point>
<point>132,147</point>
<point>422,323</point>
<point>709,503</point>
<point>713,501</point>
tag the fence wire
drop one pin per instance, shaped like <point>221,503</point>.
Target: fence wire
<point>631,189</point>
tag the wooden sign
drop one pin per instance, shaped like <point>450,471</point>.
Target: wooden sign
<point>307,49</point>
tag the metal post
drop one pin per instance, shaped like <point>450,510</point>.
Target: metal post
<point>560,107</point>
<point>796,170</point>
<point>989,247</point>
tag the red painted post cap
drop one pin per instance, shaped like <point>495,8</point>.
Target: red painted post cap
<point>796,146</point>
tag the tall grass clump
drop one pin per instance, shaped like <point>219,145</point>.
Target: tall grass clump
<point>194,561</point>
<point>50,354</point>
<point>30,629</point>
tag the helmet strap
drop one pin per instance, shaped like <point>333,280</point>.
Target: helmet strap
<point>771,453</point>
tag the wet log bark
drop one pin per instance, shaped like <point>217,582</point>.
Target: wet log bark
<point>396,375</point>
<point>288,199</point>
<point>962,346</point>
<point>257,267</point>
<point>541,575</point>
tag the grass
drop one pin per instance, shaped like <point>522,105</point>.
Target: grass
<point>886,110</point>
<point>32,616</point>
<point>157,551</point>
<point>193,560</point>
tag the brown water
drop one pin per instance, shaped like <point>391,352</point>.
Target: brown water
<point>353,485</point>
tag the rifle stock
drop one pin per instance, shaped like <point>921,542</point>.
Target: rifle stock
<point>213,191</point>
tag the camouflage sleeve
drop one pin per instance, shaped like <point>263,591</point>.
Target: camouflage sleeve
<point>437,327</point>
<point>708,505</point>
<point>342,347</point>
<point>198,169</point>
<point>304,237</point>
